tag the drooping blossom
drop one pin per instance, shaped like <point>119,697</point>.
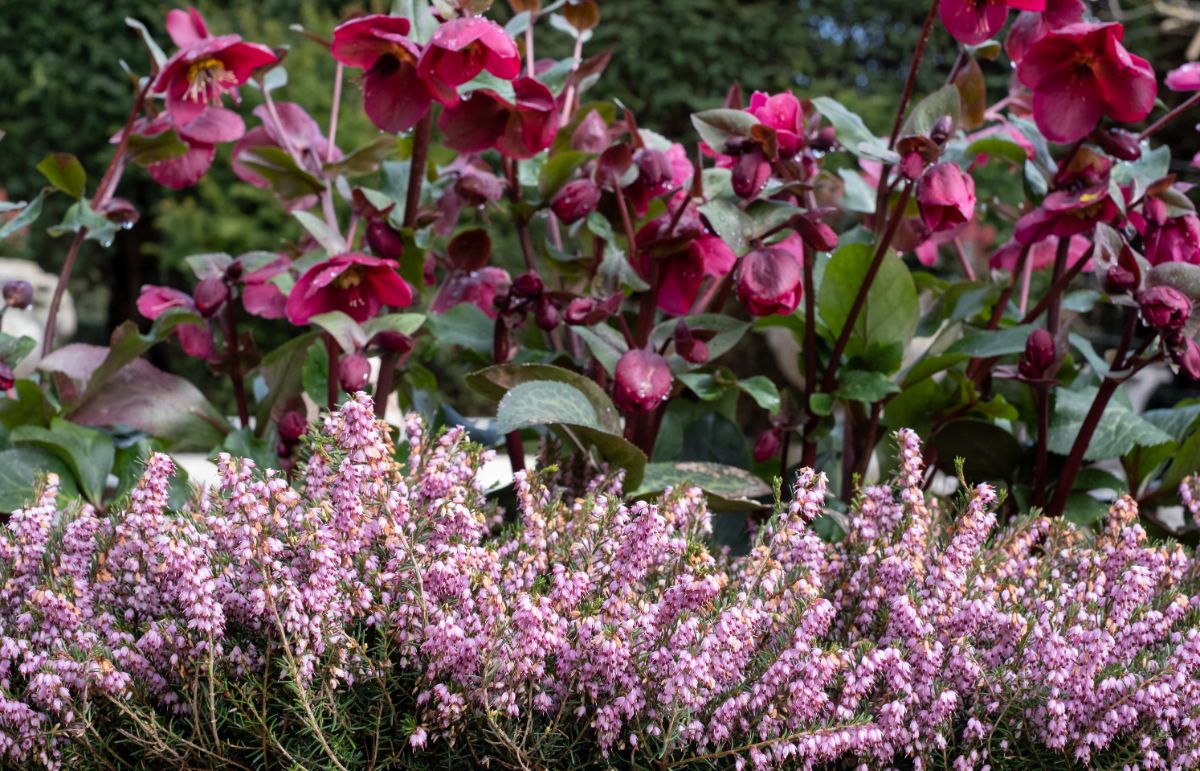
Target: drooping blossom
<point>1081,72</point>
<point>642,381</point>
<point>1039,355</point>
<point>196,338</point>
<point>197,77</point>
<point>1170,239</point>
<point>769,279</point>
<point>395,96</point>
<point>353,283</point>
<point>261,295</point>
<point>575,200</point>
<point>1187,357</point>
<point>478,287</point>
<point>681,258</point>
<point>946,197</point>
<point>354,372</point>
<point>182,170</point>
<point>300,134</point>
<point>462,48</point>
<point>1165,308</point>
<point>1030,26</point>
<point>485,120</point>
<point>974,21</point>
<point>1079,199</point>
<point>659,172</point>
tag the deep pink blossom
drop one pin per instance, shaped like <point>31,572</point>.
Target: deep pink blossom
<point>946,197</point>
<point>485,120</point>
<point>183,170</point>
<point>1171,239</point>
<point>196,338</point>
<point>1081,72</point>
<point>641,382</point>
<point>783,113</point>
<point>1165,308</point>
<point>353,283</point>
<point>1185,77</point>
<point>186,28</point>
<point>1030,26</point>
<point>478,287</point>
<point>261,296</point>
<point>395,97</point>
<point>1080,198</point>
<point>576,200</point>
<point>974,21</point>
<point>300,134</point>
<point>770,278</point>
<point>462,48</point>
<point>682,258</point>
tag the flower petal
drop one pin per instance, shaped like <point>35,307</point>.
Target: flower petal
<point>394,96</point>
<point>186,28</point>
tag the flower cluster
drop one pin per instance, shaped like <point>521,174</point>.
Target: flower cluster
<point>591,624</point>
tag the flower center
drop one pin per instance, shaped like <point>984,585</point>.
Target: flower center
<point>349,278</point>
<point>207,80</point>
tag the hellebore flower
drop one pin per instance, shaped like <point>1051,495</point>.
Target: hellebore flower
<point>769,279</point>
<point>974,21</point>
<point>781,112</point>
<point>384,240</point>
<point>691,348</point>
<point>197,77</point>
<point>292,425</point>
<point>1170,239</point>
<point>1081,72</point>
<point>395,97</point>
<point>18,294</point>
<point>641,382</point>
<point>1041,254</point>
<point>196,339</point>
<point>186,28</point>
<point>1165,308</point>
<point>462,48</point>
<point>209,295</point>
<point>300,132</point>
<point>260,295</point>
<point>1039,355</point>
<point>1079,200</point>
<point>576,200</point>
<point>1187,358</point>
<point>1030,26</point>
<point>684,258</point>
<point>1184,78</point>
<point>182,170</point>
<point>354,372</point>
<point>946,197</point>
<point>484,120</point>
<point>478,287</point>
<point>659,172</point>
<point>353,283</point>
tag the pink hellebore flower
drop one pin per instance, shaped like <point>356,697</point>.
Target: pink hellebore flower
<point>946,197</point>
<point>462,48</point>
<point>1184,78</point>
<point>684,257</point>
<point>642,381</point>
<point>196,339</point>
<point>1081,72</point>
<point>781,112</point>
<point>300,131</point>
<point>1079,200</point>
<point>353,283</point>
<point>199,74</point>
<point>770,279</point>
<point>183,170</point>
<point>260,295</point>
<point>974,21</point>
<point>186,28</point>
<point>1172,239</point>
<point>395,97</point>
<point>478,287</point>
<point>1031,26</point>
<point>484,120</point>
<point>1041,254</point>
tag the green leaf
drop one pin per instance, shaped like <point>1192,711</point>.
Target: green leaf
<point>945,101</point>
<point>275,165</point>
<point>345,330</point>
<point>80,217</point>
<point>404,323</point>
<point>728,222</point>
<point>1185,461</point>
<point>324,235</point>
<point>613,448</point>
<point>87,452</point>
<point>281,371</point>
<point>558,171</point>
<point>605,343</point>
<point>988,451</point>
<point>28,215</point>
<point>65,173</point>
<point>496,381</point>
<point>541,402</point>
<point>13,350</point>
<point>1119,430</point>
<point>244,444</point>
<point>161,147</point>
<point>852,133</point>
<point>465,325</point>
<point>821,404</point>
<point>365,159</point>
<point>762,391</point>
<point>727,487</point>
<point>29,408</point>
<point>996,146</point>
<point>891,310</point>
<point>864,386</point>
<point>20,469</point>
<point>985,343</point>
<point>1176,420</point>
<point>728,331</point>
<point>1083,510</point>
<point>703,384</point>
<point>717,126</point>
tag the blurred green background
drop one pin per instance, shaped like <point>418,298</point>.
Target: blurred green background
<point>62,88</point>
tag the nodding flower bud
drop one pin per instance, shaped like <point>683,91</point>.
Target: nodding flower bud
<point>210,294</point>
<point>941,129</point>
<point>1119,143</point>
<point>768,444</point>
<point>528,286</point>
<point>1039,355</point>
<point>688,346</point>
<point>1124,275</point>
<point>292,425</point>
<point>1165,309</point>
<point>750,174</point>
<point>384,241</point>
<point>825,139</point>
<point>7,378</point>
<point>18,294</point>
<point>814,233</point>
<point>392,341</point>
<point>1187,357</point>
<point>576,200</point>
<point>641,381</point>
<point>546,314</point>
<point>354,371</point>
<point>579,311</point>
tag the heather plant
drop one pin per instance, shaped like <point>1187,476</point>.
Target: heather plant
<point>382,613</point>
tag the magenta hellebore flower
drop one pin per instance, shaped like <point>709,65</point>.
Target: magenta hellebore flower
<point>1041,254</point>
<point>196,339</point>
<point>974,21</point>
<point>1039,355</point>
<point>781,112</point>
<point>462,48</point>
<point>1079,200</point>
<point>182,170</point>
<point>575,200</point>
<point>1184,78</point>
<point>1165,308</point>
<point>395,97</point>
<point>770,280</point>
<point>199,74</point>
<point>353,283</point>
<point>478,287</point>
<point>300,132</point>
<point>1031,26</point>
<point>1170,239</point>
<point>641,382</point>
<point>946,197</point>
<point>1081,72</point>
<point>685,257</point>
<point>484,120</point>
<point>260,295</point>
<point>1187,358</point>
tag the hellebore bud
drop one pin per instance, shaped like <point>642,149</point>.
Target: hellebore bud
<point>941,129</point>
<point>18,294</point>
<point>1187,358</point>
<point>527,285</point>
<point>1039,355</point>
<point>769,281</point>
<point>1125,275</point>
<point>392,342</point>
<point>384,241</point>
<point>353,372</point>
<point>768,443</point>
<point>210,294</point>
<point>750,174</point>
<point>1119,143</point>
<point>576,200</point>
<point>545,314</point>
<point>1165,309</point>
<point>292,425</point>
<point>641,382</point>
<point>946,197</point>
<point>816,234</point>
<point>688,346</point>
